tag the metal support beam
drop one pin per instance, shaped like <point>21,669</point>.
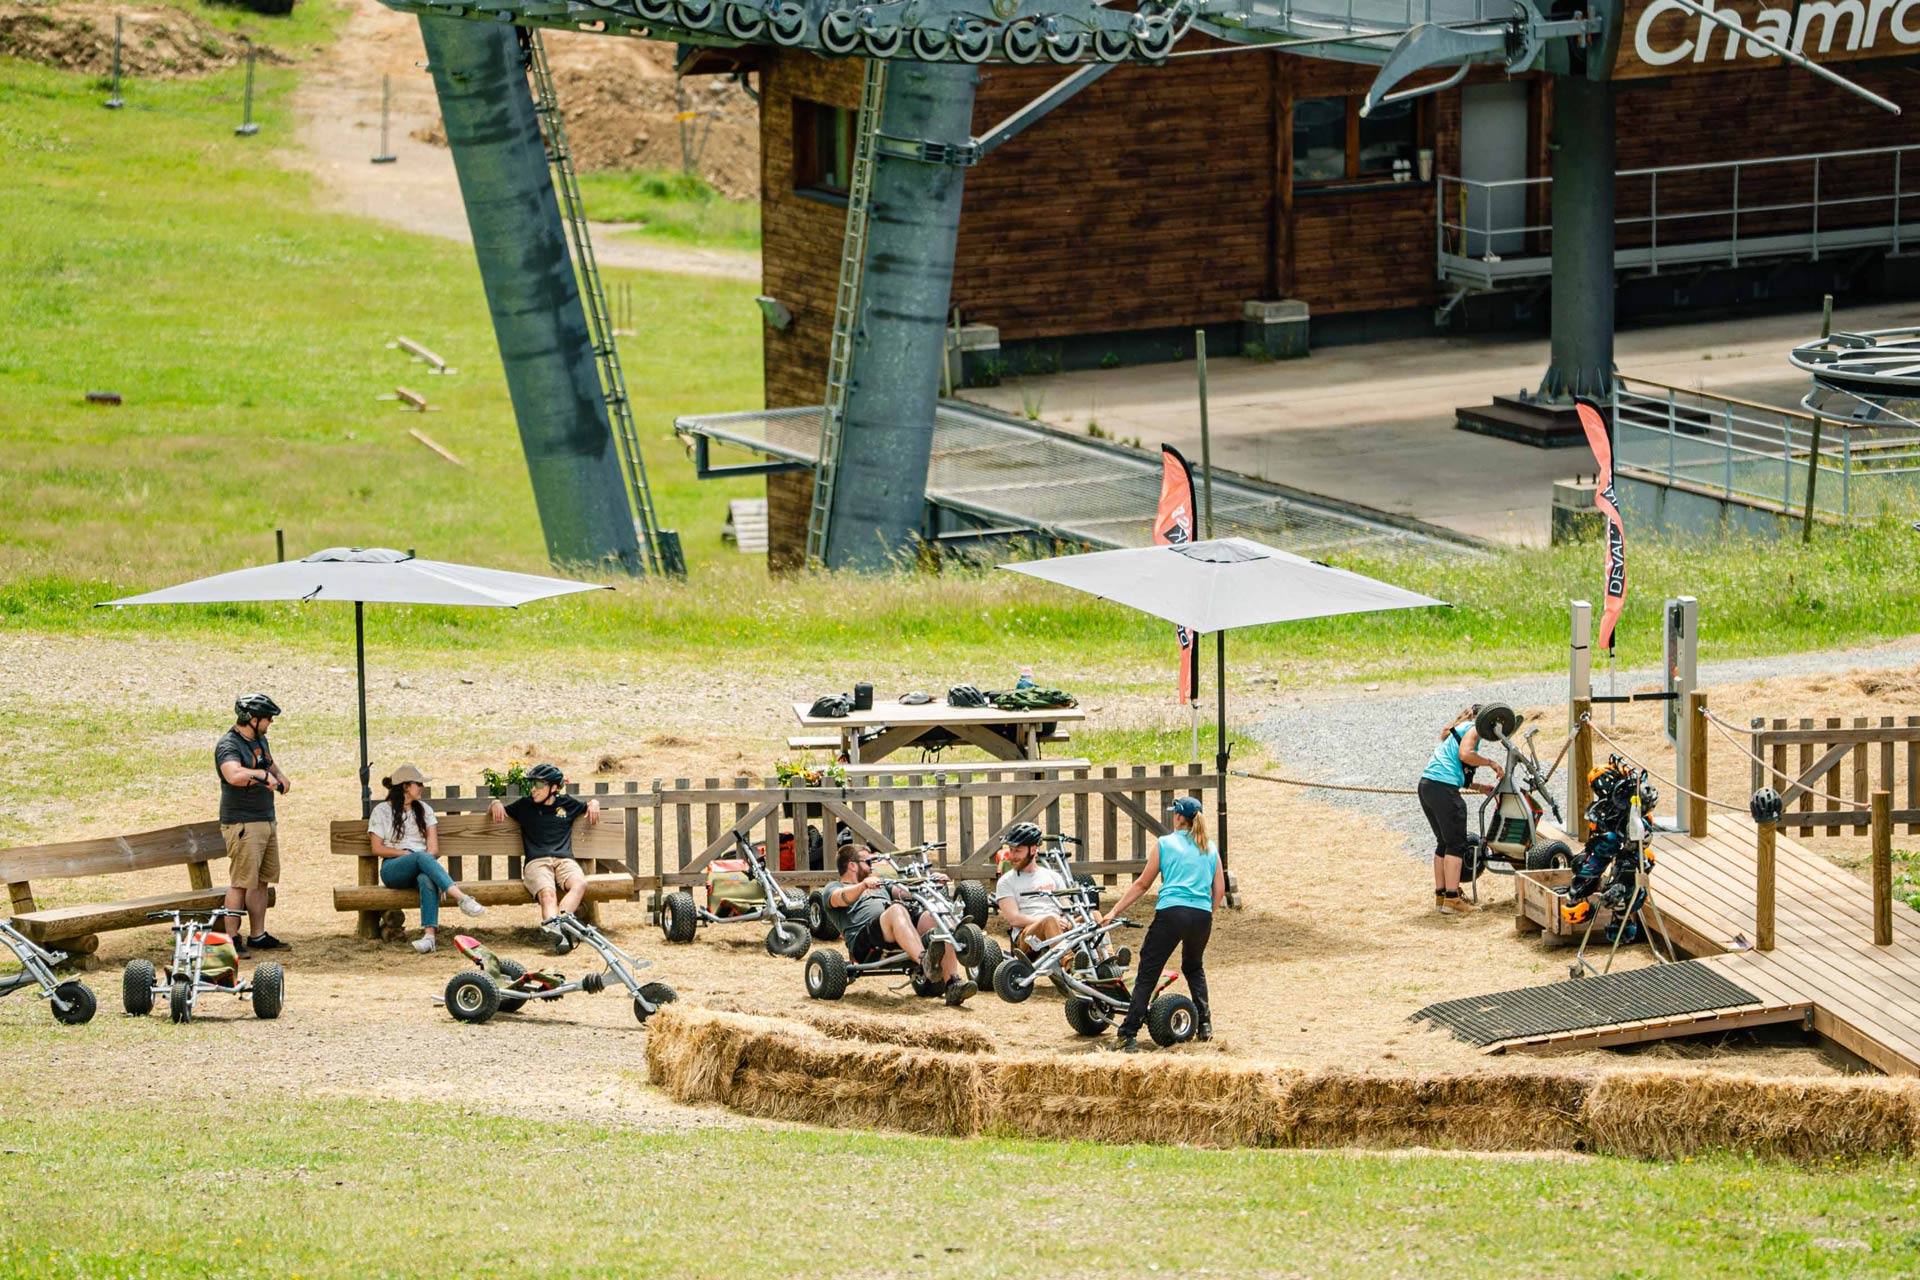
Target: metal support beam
<point>1037,110</point>
<point>894,377</point>
<point>1583,153</point>
<point>704,469</point>
<point>480,77</point>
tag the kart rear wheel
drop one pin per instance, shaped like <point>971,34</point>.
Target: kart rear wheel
<point>80,1003</point>
<point>969,944</point>
<point>1496,722</point>
<point>472,997</point>
<point>989,961</point>
<point>680,917</point>
<point>269,988</point>
<point>1013,979</point>
<point>788,940</point>
<point>1171,1020</point>
<point>826,975</point>
<point>1087,1018</point>
<point>1550,855</point>
<point>972,897</point>
<point>512,971</point>
<point>656,994</point>
<point>817,922</point>
<point>136,988</point>
<point>180,1001</point>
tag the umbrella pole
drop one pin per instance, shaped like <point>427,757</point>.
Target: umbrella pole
<point>360,667</point>
<point>1222,750</point>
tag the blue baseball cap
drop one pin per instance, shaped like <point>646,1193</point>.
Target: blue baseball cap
<point>1185,806</point>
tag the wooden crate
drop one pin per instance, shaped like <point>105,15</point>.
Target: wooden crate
<point>1537,908</point>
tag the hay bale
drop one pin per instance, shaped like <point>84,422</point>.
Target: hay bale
<point>1479,1112</point>
<point>1668,1114</point>
<point>693,1053</point>
<point>787,1076</point>
<point>911,1033</point>
<point>1201,1102</point>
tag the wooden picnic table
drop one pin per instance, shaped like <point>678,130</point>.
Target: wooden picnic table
<point>1004,735</point>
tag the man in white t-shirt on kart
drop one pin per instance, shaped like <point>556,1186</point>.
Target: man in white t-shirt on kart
<point>1026,893</point>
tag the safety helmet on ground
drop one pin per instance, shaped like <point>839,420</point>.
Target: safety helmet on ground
<point>548,775</point>
<point>255,706</point>
<point>1022,834</point>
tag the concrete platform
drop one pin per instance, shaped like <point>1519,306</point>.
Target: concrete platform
<point>1374,424</point>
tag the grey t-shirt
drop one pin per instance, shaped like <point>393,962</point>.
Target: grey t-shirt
<point>859,913</point>
<point>252,803</point>
<point>1033,889</point>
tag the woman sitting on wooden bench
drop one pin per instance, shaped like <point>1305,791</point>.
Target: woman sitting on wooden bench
<point>402,834</point>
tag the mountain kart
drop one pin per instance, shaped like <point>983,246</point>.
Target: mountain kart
<point>1509,817</point>
<point>741,890</point>
<point>498,985</point>
<point>204,962</point>
<point>71,1002</point>
<point>915,882</point>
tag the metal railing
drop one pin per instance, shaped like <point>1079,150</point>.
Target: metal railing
<point>1759,454</point>
<point>1710,214</point>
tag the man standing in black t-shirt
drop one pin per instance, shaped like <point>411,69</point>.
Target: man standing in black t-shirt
<point>248,779</point>
<point>546,815</point>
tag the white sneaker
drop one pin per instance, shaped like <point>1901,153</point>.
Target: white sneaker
<point>472,907</point>
<point>424,943</point>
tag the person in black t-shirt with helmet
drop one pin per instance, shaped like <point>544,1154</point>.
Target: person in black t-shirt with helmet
<point>546,815</point>
<point>248,780</point>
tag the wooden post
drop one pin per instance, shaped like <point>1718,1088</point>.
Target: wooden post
<point>1697,765</point>
<point>1763,888</point>
<point>1581,763</point>
<point>1882,869</point>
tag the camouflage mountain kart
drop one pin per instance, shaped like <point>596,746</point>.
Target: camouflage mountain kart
<point>499,985</point>
<point>204,962</point>
<point>741,890</point>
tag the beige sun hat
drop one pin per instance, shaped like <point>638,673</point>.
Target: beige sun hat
<point>407,773</point>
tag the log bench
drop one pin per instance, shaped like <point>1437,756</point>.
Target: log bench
<point>74,929</point>
<point>492,852</point>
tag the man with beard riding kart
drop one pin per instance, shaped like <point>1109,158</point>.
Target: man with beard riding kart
<point>1025,892</point>
<point>874,919</point>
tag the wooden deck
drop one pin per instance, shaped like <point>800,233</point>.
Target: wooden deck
<point>1865,998</point>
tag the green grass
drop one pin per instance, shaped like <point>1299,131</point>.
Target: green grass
<point>364,1189</point>
<point>679,207</point>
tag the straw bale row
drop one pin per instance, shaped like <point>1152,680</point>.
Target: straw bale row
<point>786,1070</point>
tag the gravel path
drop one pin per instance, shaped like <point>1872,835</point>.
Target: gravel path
<point>1383,738</point>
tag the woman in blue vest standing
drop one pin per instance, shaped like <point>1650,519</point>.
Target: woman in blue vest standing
<point>1440,784</point>
<point>1191,886</point>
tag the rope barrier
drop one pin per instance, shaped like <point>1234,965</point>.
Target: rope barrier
<point>1322,786</point>
<point>1734,808</point>
<point>1724,728</point>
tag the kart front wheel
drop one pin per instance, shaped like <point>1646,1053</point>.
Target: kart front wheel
<point>1013,979</point>
<point>180,1001</point>
<point>136,988</point>
<point>788,939</point>
<point>512,971</point>
<point>1087,1018</point>
<point>78,998</point>
<point>969,944</point>
<point>817,921</point>
<point>1171,1020</point>
<point>472,997</point>
<point>990,960</point>
<point>652,996</point>
<point>826,975</point>
<point>680,917</point>
<point>269,988</point>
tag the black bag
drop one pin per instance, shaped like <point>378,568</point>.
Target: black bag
<point>833,706</point>
<point>965,695</point>
<point>863,696</point>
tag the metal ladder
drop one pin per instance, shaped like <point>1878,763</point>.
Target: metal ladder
<point>846,310</point>
<point>606,351</point>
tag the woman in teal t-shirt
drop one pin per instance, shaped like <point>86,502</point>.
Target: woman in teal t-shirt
<point>1192,884</point>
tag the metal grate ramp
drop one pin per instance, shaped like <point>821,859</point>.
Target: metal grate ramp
<point>1658,992</point>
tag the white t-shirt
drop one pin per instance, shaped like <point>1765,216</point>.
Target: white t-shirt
<point>411,836</point>
<point>1033,887</point>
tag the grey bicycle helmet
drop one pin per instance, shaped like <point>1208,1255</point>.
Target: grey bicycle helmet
<point>546,774</point>
<point>255,706</point>
<point>1022,834</point>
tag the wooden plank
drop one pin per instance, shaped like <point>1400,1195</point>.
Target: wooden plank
<point>1833,735</point>
<point>610,886</point>
<point>476,835</point>
<point>435,445</point>
<point>1913,774</point>
<point>1833,784</point>
<point>129,913</point>
<point>1136,806</point>
<point>1882,869</point>
<point>1860,774</point>
<point>1805,766</point>
<point>1706,1022</point>
<point>113,855</point>
<point>933,715</point>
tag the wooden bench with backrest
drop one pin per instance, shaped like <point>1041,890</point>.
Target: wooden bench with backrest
<point>492,851</point>
<point>73,928</point>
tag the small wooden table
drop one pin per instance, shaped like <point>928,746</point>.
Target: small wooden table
<point>1004,735</point>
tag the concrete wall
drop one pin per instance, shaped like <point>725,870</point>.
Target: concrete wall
<point>1652,504</point>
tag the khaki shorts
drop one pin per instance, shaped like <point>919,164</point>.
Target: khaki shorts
<point>558,874</point>
<point>253,853</point>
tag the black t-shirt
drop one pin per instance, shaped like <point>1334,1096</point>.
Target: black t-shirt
<point>547,829</point>
<point>252,803</point>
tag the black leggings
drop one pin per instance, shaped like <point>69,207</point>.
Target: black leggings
<point>1446,812</point>
<point>1189,928</point>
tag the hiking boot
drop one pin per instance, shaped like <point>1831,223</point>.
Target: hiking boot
<point>959,991</point>
<point>930,959</point>
<point>1456,906</point>
<point>1205,1031</point>
<point>267,942</point>
<point>1125,1044</point>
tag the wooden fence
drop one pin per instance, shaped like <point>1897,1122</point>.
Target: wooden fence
<point>673,829</point>
<point>1822,757</point>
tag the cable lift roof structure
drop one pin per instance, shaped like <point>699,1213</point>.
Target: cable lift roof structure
<point>1009,473</point>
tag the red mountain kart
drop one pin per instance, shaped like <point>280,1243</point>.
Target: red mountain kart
<point>829,972</point>
<point>499,985</point>
<point>71,1001</point>
<point>739,890</point>
<point>1509,839</point>
<point>204,961</point>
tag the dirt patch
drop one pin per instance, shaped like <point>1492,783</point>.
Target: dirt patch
<point>155,44</point>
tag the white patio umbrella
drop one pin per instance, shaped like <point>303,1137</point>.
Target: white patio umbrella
<point>366,575</point>
<point>1216,586</point>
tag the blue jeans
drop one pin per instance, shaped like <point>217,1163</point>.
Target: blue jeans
<point>424,872</point>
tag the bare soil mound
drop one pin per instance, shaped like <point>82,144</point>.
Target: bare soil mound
<point>156,43</point>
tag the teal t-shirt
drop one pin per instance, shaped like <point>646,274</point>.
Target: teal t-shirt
<point>1445,765</point>
<point>1186,874</point>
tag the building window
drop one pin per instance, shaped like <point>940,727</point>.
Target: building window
<point>822,149</point>
<point>1332,143</point>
